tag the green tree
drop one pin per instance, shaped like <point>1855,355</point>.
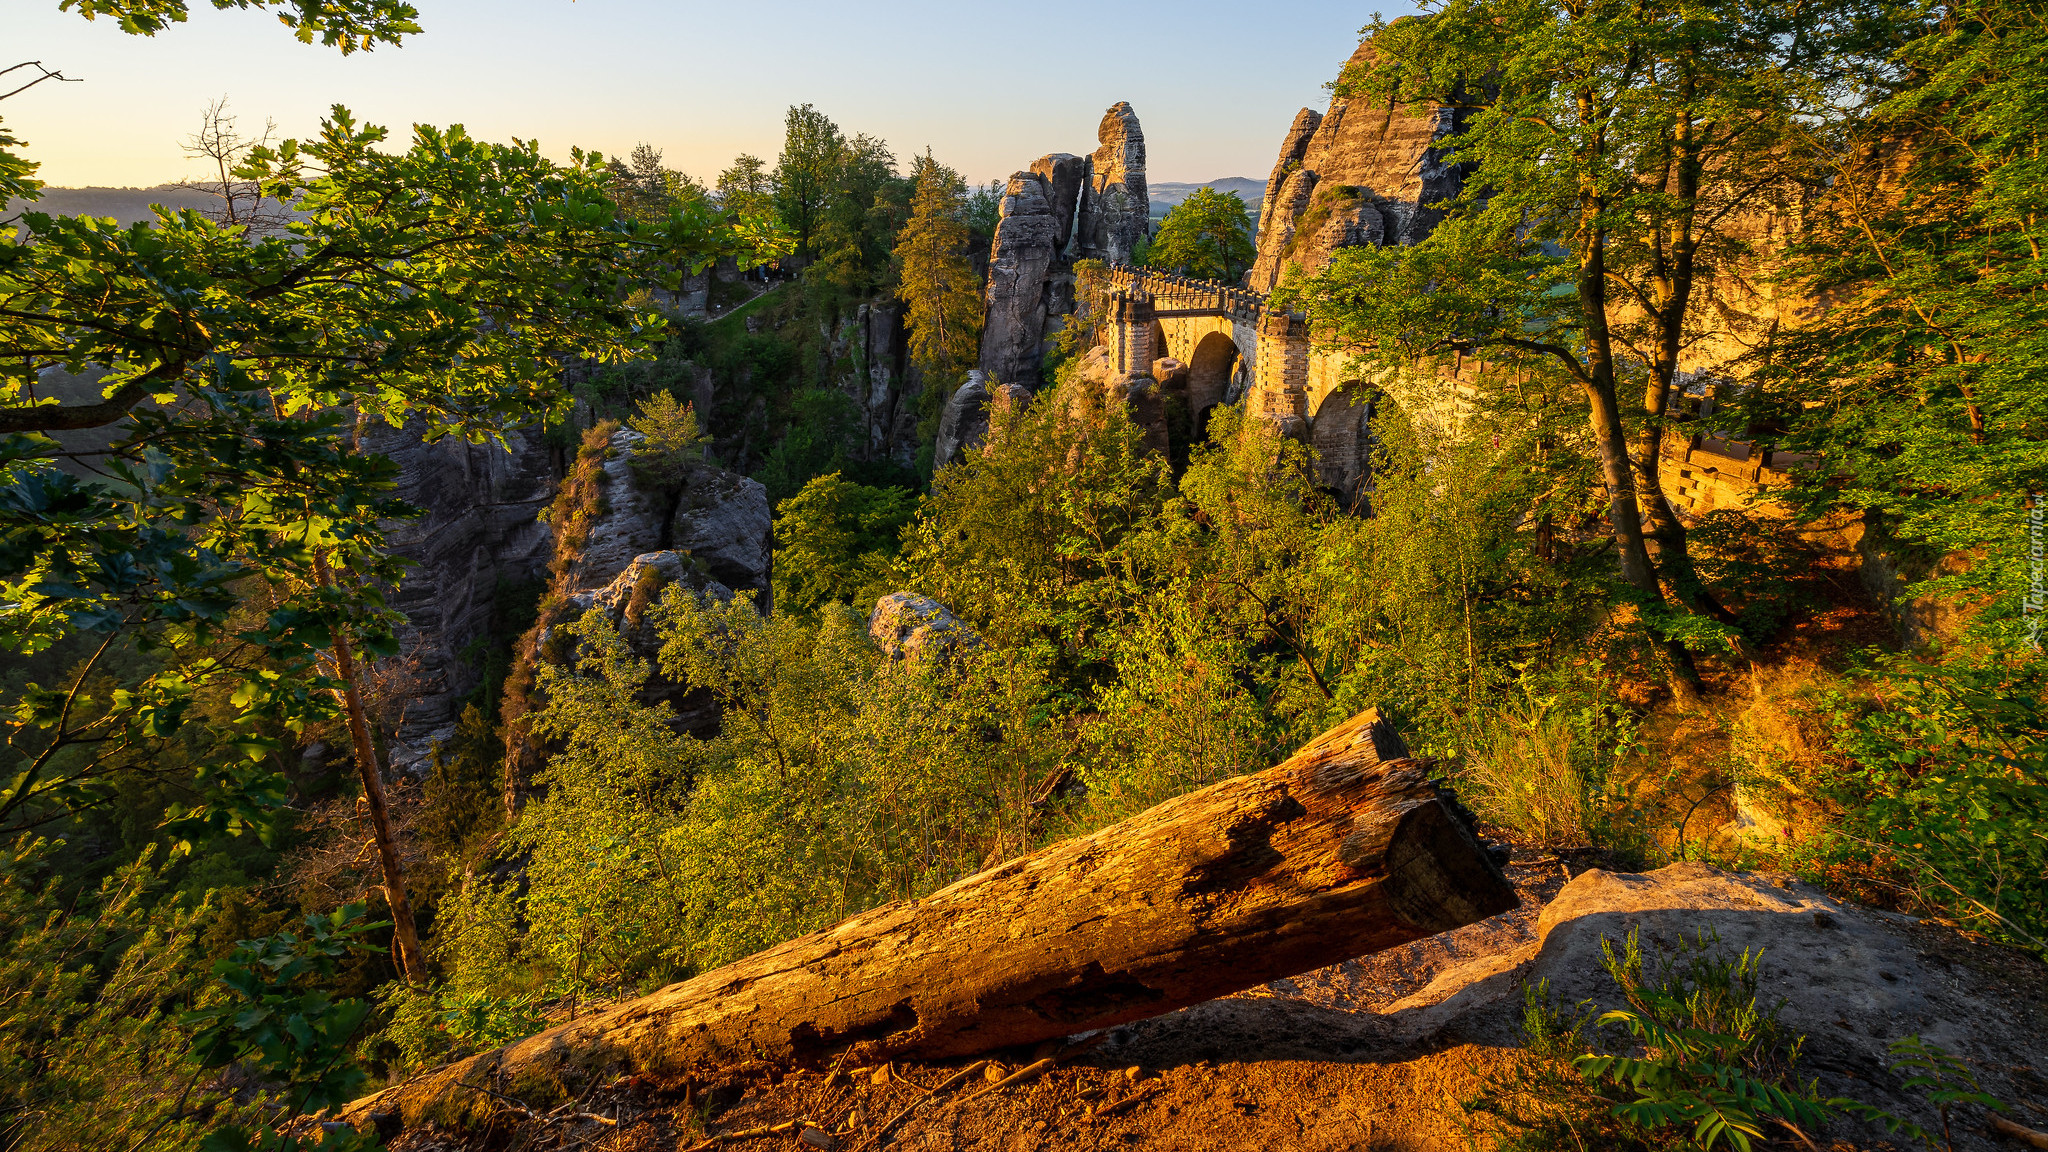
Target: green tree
<point>1924,386</point>
<point>1609,154</point>
<point>1207,236</point>
<point>747,188</point>
<point>673,443</point>
<point>806,173</point>
<point>864,212</point>
<point>236,382</point>
<point>647,189</point>
<point>834,541</point>
<point>937,284</point>
<point>1030,538</point>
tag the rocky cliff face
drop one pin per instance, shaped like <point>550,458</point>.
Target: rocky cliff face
<point>721,521</point>
<point>1064,208</point>
<point>481,535</point>
<point>881,381</point>
<point>1362,173</point>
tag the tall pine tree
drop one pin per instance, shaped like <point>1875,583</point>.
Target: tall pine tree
<point>938,285</point>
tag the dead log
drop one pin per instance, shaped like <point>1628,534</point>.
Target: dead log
<point>1344,849</point>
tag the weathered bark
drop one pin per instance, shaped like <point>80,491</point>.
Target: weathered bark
<point>1344,849</point>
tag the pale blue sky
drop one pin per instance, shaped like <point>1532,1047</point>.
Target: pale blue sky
<point>989,87</point>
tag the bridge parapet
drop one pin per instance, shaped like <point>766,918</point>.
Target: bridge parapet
<point>1176,295</point>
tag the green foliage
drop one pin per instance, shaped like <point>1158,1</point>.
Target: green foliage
<point>940,291</point>
<point>278,1023</point>
<point>464,786</point>
<point>646,189</point>
<point>1207,236</point>
<point>805,173</point>
<point>813,443</point>
<point>1714,1070</point>
<point>1549,767</point>
<point>350,25</point>
<point>1923,384</point>
<point>1944,1080</point>
<point>673,442</point>
<point>1715,1062</point>
<point>91,1053</point>
<point>746,188</point>
<point>835,782</point>
<point>1027,537</point>
<point>834,543</point>
<point>1939,776</point>
<point>478,264</point>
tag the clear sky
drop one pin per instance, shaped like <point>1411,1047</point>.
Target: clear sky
<point>988,87</point>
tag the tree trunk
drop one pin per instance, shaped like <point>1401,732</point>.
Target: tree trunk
<point>1611,444</point>
<point>1346,848</point>
<point>411,961</point>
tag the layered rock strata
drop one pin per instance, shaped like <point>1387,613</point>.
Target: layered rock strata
<point>1362,173</point>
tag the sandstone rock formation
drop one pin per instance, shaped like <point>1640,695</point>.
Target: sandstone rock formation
<point>1020,267</point>
<point>1849,980</point>
<point>625,603</point>
<point>883,383</point>
<point>1363,173</point>
<point>714,535</point>
<point>1063,209</point>
<point>481,535</point>
<point>1119,208</point>
<point>964,422</point>
<point>918,631</point>
<point>720,519</point>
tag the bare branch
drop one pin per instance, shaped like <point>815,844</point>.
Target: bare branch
<point>47,74</point>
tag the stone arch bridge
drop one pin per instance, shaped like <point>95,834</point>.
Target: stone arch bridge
<point>1206,343</point>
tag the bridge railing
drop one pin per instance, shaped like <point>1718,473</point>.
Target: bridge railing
<point>1171,292</point>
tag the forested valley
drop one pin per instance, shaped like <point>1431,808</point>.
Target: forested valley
<point>820,611</point>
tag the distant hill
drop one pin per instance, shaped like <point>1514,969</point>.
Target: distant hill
<point>1167,193</point>
<point>128,205</point>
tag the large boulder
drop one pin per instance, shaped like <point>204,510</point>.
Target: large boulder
<point>1850,980</point>
<point>630,522</point>
<point>918,631</point>
<point>723,522</point>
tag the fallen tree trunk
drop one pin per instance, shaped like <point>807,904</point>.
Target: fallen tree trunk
<point>1344,849</point>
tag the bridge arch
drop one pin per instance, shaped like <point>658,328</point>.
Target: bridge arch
<point>1210,367</point>
<point>1341,431</point>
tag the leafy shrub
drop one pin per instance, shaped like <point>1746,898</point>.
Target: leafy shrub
<point>1713,1069</point>
<point>834,541</point>
<point>1937,772</point>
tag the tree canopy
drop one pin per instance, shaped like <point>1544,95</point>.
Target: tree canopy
<point>1207,236</point>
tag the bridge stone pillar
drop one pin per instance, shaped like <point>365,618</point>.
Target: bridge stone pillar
<point>1280,392</point>
<point>1130,333</point>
